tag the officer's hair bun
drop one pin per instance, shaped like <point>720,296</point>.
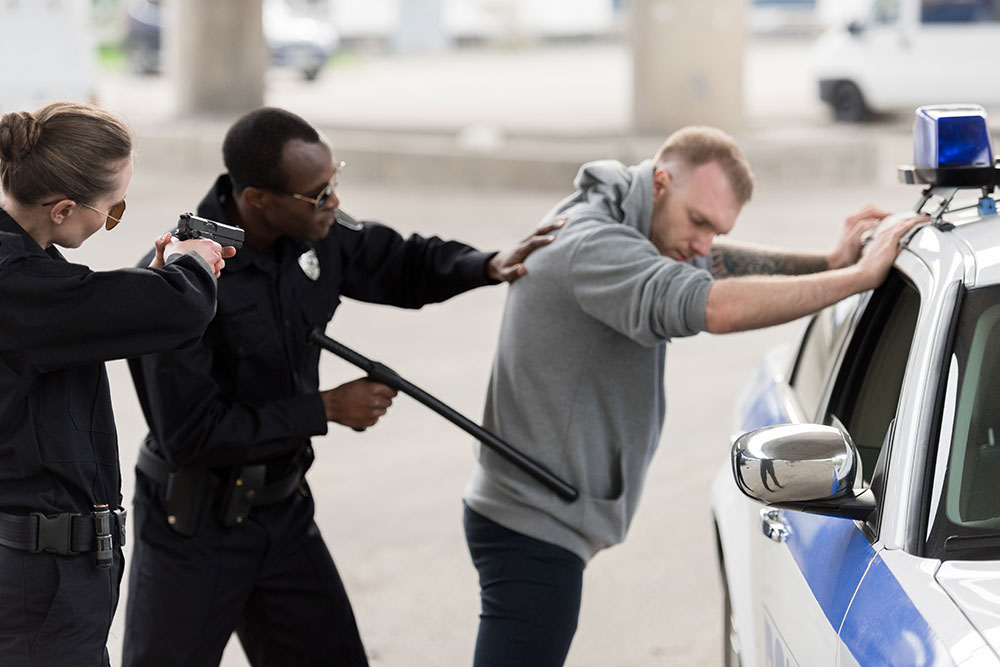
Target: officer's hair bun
<point>19,133</point>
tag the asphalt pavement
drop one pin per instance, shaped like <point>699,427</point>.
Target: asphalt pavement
<point>477,146</point>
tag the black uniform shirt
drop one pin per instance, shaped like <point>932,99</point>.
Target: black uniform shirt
<point>58,323</point>
<point>249,392</point>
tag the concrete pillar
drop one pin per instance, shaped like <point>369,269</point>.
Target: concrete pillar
<point>216,54</point>
<point>420,27</point>
<point>687,64</point>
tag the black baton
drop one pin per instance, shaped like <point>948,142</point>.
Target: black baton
<point>381,373</point>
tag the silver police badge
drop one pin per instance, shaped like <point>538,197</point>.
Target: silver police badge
<point>309,263</point>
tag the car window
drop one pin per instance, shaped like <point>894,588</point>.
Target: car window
<point>866,393</point>
<point>884,11</point>
<point>965,506</point>
<point>818,353</point>
<point>958,11</point>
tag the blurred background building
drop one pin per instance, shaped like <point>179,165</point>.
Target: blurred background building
<point>678,50</point>
<point>864,57</point>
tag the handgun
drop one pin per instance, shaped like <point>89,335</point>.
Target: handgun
<point>190,226</point>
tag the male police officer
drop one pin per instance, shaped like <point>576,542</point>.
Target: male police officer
<point>225,537</point>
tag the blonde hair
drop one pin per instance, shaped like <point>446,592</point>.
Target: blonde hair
<point>65,148</point>
<point>697,145</point>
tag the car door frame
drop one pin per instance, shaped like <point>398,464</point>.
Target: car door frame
<point>883,624</point>
<point>831,556</point>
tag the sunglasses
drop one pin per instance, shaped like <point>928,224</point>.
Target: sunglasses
<point>114,215</point>
<point>320,200</point>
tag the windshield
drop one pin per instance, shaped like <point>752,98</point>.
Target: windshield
<point>965,503</point>
<point>958,11</point>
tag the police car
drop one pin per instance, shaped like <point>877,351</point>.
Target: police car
<point>858,519</point>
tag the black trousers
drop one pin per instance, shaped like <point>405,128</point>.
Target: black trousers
<point>56,610</point>
<point>530,592</point>
<point>271,580</point>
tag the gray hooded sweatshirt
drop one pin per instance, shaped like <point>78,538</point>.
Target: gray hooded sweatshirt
<point>577,381</point>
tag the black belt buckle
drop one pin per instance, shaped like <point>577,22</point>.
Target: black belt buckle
<point>55,533</point>
<point>245,484</point>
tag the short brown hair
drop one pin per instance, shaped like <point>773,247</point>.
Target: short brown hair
<point>697,145</point>
<point>64,148</point>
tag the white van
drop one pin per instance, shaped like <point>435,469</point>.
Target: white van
<point>47,52</point>
<point>901,54</point>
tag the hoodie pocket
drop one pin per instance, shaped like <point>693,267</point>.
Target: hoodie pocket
<point>605,518</point>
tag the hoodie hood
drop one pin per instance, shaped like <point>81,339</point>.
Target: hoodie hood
<point>610,191</point>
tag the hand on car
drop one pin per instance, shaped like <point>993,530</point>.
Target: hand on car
<point>357,404</point>
<point>507,265</point>
<point>213,253</point>
<point>859,223</point>
<point>883,248</point>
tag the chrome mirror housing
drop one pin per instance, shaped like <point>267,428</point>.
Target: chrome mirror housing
<point>792,464</point>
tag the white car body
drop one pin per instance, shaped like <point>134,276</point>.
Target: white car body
<point>838,591</point>
<point>897,60</point>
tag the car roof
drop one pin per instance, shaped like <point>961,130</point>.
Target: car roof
<point>975,239</point>
<point>983,240</point>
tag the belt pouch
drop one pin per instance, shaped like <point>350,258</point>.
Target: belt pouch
<point>188,498</point>
<point>244,485</point>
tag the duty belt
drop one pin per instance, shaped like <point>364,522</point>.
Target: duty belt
<point>65,534</point>
<point>245,488</point>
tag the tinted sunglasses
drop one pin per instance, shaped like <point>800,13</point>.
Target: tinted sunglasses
<point>114,215</point>
<point>320,200</point>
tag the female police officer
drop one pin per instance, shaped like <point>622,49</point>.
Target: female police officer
<point>64,171</point>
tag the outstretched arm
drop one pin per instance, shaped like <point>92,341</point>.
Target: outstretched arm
<point>507,265</point>
<point>731,259</point>
<point>754,302</point>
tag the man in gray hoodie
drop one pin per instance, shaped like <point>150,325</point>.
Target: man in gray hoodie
<point>634,267</point>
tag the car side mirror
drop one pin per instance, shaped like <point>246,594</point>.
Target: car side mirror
<point>807,467</point>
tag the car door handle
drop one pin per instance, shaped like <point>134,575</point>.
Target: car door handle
<point>773,525</point>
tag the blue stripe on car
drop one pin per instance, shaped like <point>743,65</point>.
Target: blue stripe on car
<point>766,408</point>
<point>883,628</point>
<point>832,555</point>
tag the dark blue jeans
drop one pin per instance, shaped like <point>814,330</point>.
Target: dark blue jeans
<point>530,593</point>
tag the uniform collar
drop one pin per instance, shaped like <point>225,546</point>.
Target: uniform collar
<point>12,226</point>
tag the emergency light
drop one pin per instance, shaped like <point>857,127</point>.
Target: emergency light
<point>952,151</point>
<point>951,135</point>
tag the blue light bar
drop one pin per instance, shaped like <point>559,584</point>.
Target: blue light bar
<point>951,135</point>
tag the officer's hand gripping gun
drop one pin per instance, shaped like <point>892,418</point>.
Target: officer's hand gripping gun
<point>190,226</point>
<point>378,372</point>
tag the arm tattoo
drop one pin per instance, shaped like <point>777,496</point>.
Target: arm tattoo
<point>730,261</point>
